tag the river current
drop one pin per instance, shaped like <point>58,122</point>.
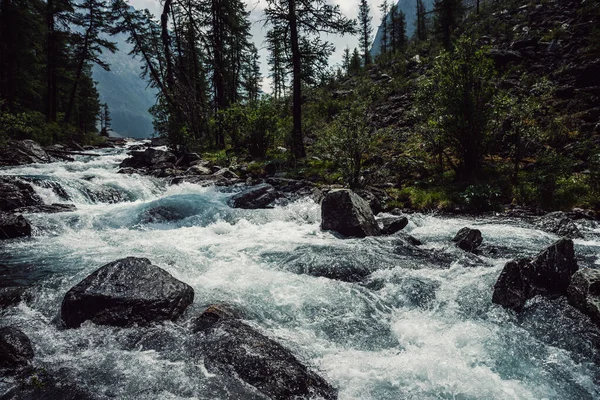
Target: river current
<point>410,331</point>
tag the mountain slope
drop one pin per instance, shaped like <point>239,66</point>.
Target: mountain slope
<point>409,8</point>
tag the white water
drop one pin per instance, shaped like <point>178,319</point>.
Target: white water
<point>415,331</point>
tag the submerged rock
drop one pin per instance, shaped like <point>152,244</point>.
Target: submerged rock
<point>549,273</point>
<point>11,296</point>
<point>23,152</point>
<point>48,208</point>
<point>392,225</point>
<point>468,239</point>
<point>15,349</point>
<point>126,292</point>
<point>235,348</point>
<point>42,386</point>
<point>584,293</point>
<point>15,193</point>
<point>13,226</point>
<point>260,196</point>
<point>345,212</point>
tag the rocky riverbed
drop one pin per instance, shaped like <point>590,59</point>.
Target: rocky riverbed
<point>177,280</point>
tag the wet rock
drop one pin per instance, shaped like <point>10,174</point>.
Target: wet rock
<point>44,387</point>
<point>188,159</point>
<point>345,212</point>
<point>468,239</point>
<point>161,214</point>
<point>260,196</point>
<point>560,224</point>
<point>213,314</point>
<point>391,225</point>
<point>126,292</point>
<point>149,158</point>
<point>11,296</point>
<point>47,208</point>
<point>584,293</point>
<point>15,349</point>
<point>15,193</point>
<point>235,348</point>
<point>226,173</point>
<point>13,226</point>
<point>549,273</point>
<point>198,170</point>
<point>23,152</point>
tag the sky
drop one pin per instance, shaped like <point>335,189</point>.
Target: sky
<point>348,8</point>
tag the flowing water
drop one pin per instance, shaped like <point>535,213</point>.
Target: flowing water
<point>414,330</point>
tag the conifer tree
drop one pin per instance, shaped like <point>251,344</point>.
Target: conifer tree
<point>384,7</point>
<point>421,22</point>
<point>303,18</point>
<point>365,30</point>
<point>447,16</point>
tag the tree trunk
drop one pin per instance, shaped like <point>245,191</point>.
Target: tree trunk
<point>298,150</point>
<point>50,64</point>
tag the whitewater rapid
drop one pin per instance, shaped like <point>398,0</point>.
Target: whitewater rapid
<point>411,331</point>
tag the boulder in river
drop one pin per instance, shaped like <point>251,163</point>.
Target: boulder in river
<point>13,226</point>
<point>126,292</point>
<point>468,239</point>
<point>392,225</point>
<point>12,295</point>
<point>549,273</point>
<point>149,158</point>
<point>15,193</point>
<point>259,196</point>
<point>23,152</point>
<point>345,212</point>
<point>236,348</point>
<point>560,224</point>
<point>47,208</point>
<point>15,349</point>
<point>584,293</point>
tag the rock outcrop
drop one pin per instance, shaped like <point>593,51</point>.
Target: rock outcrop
<point>15,349</point>
<point>468,239</point>
<point>12,295</point>
<point>260,196</point>
<point>15,193</point>
<point>584,293</point>
<point>23,152</point>
<point>345,212</point>
<point>126,292</point>
<point>236,348</point>
<point>13,226</point>
<point>547,274</point>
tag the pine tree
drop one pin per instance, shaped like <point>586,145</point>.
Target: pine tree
<point>384,7</point>
<point>346,60</point>
<point>355,62</point>
<point>277,62</point>
<point>397,30</point>
<point>94,19</point>
<point>447,16</point>
<point>365,30</point>
<point>421,22</point>
<point>303,18</point>
<point>105,120</point>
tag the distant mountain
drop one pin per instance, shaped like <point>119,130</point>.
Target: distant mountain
<point>127,94</point>
<point>409,8</point>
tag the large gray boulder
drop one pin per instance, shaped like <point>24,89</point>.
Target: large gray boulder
<point>391,225</point>
<point>15,193</point>
<point>15,349</point>
<point>549,273</point>
<point>126,292</point>
<point>23,152</point>
<point>584,293</point>
<point>236,348</point>
<point>259,196</point>
<point>345,212</point>
<point>13,226</point>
